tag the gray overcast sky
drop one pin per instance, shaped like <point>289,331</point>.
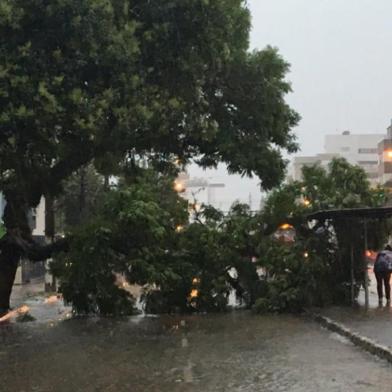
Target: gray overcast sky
<point>341,62</point>
<point>341,70</point>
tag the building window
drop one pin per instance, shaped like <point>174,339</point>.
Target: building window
<point>367,151</point>
<point>368,162</point>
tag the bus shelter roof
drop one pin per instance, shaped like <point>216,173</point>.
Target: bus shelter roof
<point>352,213</point>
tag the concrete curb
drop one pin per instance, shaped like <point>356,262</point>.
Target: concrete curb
<point>367,344</point>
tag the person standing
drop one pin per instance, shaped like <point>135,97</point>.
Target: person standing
<point>382,271</point>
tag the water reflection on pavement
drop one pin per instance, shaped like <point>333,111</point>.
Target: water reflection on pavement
<point>231,352</point>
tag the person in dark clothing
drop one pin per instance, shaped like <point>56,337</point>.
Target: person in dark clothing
<point>383,274</point>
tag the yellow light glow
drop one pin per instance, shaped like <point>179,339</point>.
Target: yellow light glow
<point>14,313</point>
<point>285,226</point>
<point>23,309</point>
<point>179,186</point>
<point>194,293</point>
<point>306,255</point>
<point>179,228</point>
<point>306,202</point>
<point>195,281</point>
<point>389,153</point>
<point>52,299</point>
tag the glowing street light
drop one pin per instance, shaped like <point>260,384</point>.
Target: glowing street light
<point>179,228</point>
<point>388,154</point>
<point>179,187</point>
<point>195,280</point>
<point>285,226</point>
<point>194,293</point>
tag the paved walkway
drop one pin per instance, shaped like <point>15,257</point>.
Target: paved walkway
<point>374,323</point>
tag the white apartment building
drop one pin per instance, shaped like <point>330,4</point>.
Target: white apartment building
<point>385,159</point>
<point>200,189</point>
<point>358,149</point>
<point>295,169</point>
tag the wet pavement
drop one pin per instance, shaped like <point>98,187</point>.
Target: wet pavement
<point>232,352</point>
<point>236,351</point>
<point>374,323</point>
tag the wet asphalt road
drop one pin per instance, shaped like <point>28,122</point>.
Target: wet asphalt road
<point>231,352</point>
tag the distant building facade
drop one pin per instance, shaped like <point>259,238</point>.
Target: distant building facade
<point>384,149</point>
<point>299,162</point>
<point>201,190</point>
<point>358,149</point>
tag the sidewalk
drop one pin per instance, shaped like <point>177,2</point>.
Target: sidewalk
<point>374,323</point>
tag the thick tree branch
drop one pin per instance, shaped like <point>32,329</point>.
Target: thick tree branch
<point>32,250</point>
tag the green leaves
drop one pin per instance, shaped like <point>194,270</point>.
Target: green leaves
<point>3,230</point>
<point>110,82</point>
<point>132,233</point>
<point>169,78</point>
<point>339,186</point>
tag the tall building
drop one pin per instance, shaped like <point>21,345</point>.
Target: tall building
<point>295,169</point>
<point>200,189</point>
<point>358,149</point>
<point>384,149</point>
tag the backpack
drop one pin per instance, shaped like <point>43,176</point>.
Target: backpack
<point>383,262</point>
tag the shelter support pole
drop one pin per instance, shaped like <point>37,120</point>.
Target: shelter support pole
<point>352,274</point>
<point>366,276</point>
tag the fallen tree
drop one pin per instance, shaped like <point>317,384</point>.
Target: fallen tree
<point>109,82</point>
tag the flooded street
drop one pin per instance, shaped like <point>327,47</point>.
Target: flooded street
<point>231,352</point>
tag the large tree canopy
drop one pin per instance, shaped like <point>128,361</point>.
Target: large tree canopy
<point>106,80</point>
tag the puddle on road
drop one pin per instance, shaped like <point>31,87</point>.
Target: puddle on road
<point>232,352</point>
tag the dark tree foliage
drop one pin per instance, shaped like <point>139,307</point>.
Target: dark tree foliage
<point>103,80</point>
<point>80,200</point>
<point>130,236</point>
<point>214,257</point>
<point>323,276</point>
<point>143,233</point>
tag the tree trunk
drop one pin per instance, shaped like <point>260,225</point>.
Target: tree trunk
<point>17,243</point>
<point>82,195</point>
<point>9,259</point>
<point>16,223</point>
